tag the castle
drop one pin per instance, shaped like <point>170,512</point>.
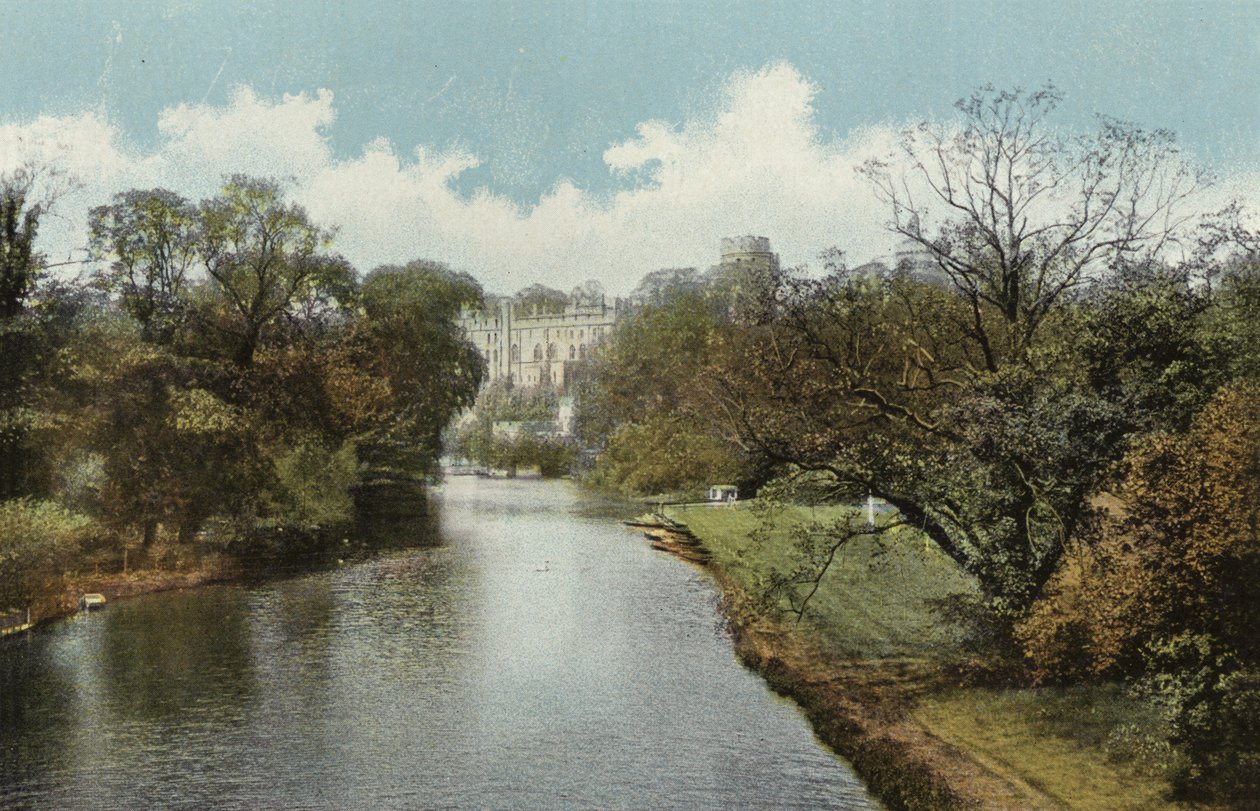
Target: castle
<point>539,338</point>
<point>535,340</point>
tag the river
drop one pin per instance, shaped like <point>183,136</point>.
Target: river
<point>532,653</point>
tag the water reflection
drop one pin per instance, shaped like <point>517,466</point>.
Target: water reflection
<point>536,656</point>
<point>158,661</point>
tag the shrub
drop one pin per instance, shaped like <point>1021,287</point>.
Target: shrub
<point>38,539</point>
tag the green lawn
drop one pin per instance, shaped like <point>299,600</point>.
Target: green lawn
<point>1086,748</point>
<point>878,600</point>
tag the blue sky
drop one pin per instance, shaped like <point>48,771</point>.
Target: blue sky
<point>534,94</point>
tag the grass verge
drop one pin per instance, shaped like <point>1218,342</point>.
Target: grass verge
<point>871,664</point>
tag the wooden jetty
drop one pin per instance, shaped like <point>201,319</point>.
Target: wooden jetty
<point>15,622</point>
<point>671,536</point>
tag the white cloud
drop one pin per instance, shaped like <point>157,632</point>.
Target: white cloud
<point>756,163</point>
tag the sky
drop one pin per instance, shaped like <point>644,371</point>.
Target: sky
<point>554,142</point>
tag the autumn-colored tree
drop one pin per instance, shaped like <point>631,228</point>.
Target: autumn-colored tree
<point>1181,555</point>
<point>1161,591</point>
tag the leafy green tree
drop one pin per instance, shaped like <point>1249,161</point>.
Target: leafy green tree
<point>38,541</point>
<point>20,262</point>
<point>151,239</point>
<point>27,337</point>
<point>265,261</point>
<point>1142,339</point>
<point>174,452</point>
<point>410,330</point>
<point>648,409</point>
<point>962,403</point>
<point>541,298</point>
<point>1229,258</point>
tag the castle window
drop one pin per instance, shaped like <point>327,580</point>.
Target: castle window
<point>516,353</point>
<point>551,352</point>
<point>538,352</point>
<point>572,353</point>
<point>581,351</point>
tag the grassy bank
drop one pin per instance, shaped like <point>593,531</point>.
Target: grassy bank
<point>64,601</point>
<point>871,662</point>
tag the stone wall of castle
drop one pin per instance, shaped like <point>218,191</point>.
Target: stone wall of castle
<point>541,344</point>
<point>534,347</point>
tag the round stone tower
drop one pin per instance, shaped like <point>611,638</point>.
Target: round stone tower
<point>748,251</point>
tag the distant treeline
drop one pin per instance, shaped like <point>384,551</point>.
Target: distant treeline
<point>221,385</point>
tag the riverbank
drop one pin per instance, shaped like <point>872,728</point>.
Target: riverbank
<point>135,583</point>
<point>872,665</point>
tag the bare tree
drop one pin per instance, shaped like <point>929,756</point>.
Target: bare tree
<point>1026,211</point>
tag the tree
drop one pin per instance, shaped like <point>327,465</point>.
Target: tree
<point>1027,212</point>
<point>964,405</point>
<point>1159,591</point>
<point>151,238</point>
<point>647,410</point>
<point>264,258</point>
<point>172,451</point>
<point>538,296</point>
<point>1229,259</point>
<point>20,264</point>
<point>410,329</point>
<point>26,195</point>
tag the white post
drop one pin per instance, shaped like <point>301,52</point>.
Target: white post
<point>870,510</point>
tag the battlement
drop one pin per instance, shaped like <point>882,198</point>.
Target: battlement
<point>736,246</point>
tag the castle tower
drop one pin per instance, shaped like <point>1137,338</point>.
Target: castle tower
<point>749,254</point>
<point>746,273</point>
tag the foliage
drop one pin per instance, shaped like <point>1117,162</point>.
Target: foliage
<point>265,260</point>
<point>1178,559</point>
<point>38,540</point>
<point>224,377</point>
<point>1028,210</point>
<point>411,339</point>
<point>962,402</point>
<point>663,454</point>
<point>646,409</point>
<point>19,223</point>
<point>151,238</point>
<point>313,485</point>
<point>541,298</point>
<point>1159,591</point>
<point>511,427</point>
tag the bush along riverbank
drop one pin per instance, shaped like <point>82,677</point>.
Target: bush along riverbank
<point>876,665</point>
<point>387,514</point>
